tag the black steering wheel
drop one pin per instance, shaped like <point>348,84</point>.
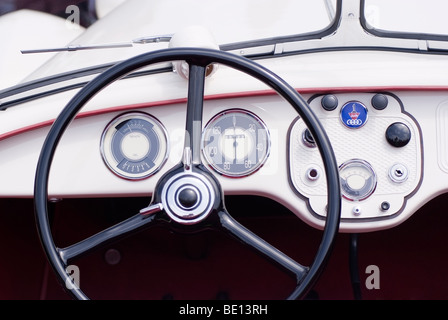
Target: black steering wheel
<point>172,199</point>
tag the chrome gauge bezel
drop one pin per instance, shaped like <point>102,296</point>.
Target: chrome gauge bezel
<point>260,153</point>
<point>362,170</point>
<point>153,139</point>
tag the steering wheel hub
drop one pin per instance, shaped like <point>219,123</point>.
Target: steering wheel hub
<point>188,197</point>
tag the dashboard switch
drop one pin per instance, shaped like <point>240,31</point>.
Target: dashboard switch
<point>398,173</point>
<point>308,139</point>
<point>329,102</point>
<point>398,134</point>
<point>379,101</point>
<point>385,206</point>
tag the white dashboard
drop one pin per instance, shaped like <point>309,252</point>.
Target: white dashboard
<point>390,164</point>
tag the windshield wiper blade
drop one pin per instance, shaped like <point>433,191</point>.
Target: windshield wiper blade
<point>77,47</point>
<point>143,40</point>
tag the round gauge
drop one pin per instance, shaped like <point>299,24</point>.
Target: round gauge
<point>236,143</point>
<point>358,180</point>
<point>134,145</point>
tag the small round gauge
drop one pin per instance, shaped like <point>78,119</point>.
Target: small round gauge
<point>134,145</point>
<point>358,180</point>
<point>236,143</point>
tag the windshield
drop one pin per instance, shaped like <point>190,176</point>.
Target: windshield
<point>234,24</point>
<point>407,18</point>
<point>233,21</point>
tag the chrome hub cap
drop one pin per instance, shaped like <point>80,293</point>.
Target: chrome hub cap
<point>188,197</point>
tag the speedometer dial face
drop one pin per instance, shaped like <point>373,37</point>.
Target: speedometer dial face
<point>236,143</point>
<point>134,145</point>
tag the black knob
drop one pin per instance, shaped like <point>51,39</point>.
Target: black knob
<point>398,134</point>
<point>385,206</point>
<point>329,102</point>
<point>308,139</point>
<point>188,197</point>
<point>379,101</point>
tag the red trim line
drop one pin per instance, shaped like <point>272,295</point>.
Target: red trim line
<point>226,96</point>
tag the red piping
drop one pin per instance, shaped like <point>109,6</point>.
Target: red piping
<point>225,96</point>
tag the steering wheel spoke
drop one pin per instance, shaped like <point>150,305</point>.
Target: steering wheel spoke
<point>145,219</point>
<point>195,104</point>
<point>249,238</point>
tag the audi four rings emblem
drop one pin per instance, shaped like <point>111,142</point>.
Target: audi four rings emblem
<point>353,114</point>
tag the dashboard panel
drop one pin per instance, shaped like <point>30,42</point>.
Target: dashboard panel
<point>377,143</point>
<point>378,148</point>
<point>377,140</point>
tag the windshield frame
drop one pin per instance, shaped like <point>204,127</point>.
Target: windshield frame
<point>396,34</point>
<point>329,30</point>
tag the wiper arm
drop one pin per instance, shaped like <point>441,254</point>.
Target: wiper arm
<point>153,39</point>
<point>144,40</point>
<point>77,48</point>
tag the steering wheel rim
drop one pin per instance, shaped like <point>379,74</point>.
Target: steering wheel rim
<point>198,59</point>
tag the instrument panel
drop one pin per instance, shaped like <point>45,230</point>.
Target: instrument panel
<point>378,147</point>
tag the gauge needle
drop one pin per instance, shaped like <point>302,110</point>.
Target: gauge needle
<point>234,138</point>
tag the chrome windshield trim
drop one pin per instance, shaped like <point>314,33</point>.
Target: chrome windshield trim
<point>352,33</point>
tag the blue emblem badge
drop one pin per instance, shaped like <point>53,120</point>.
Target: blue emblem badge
<point>354,114</point>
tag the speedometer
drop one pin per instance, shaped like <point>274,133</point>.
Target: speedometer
<point>134,145</point>
<point>236,143</point>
